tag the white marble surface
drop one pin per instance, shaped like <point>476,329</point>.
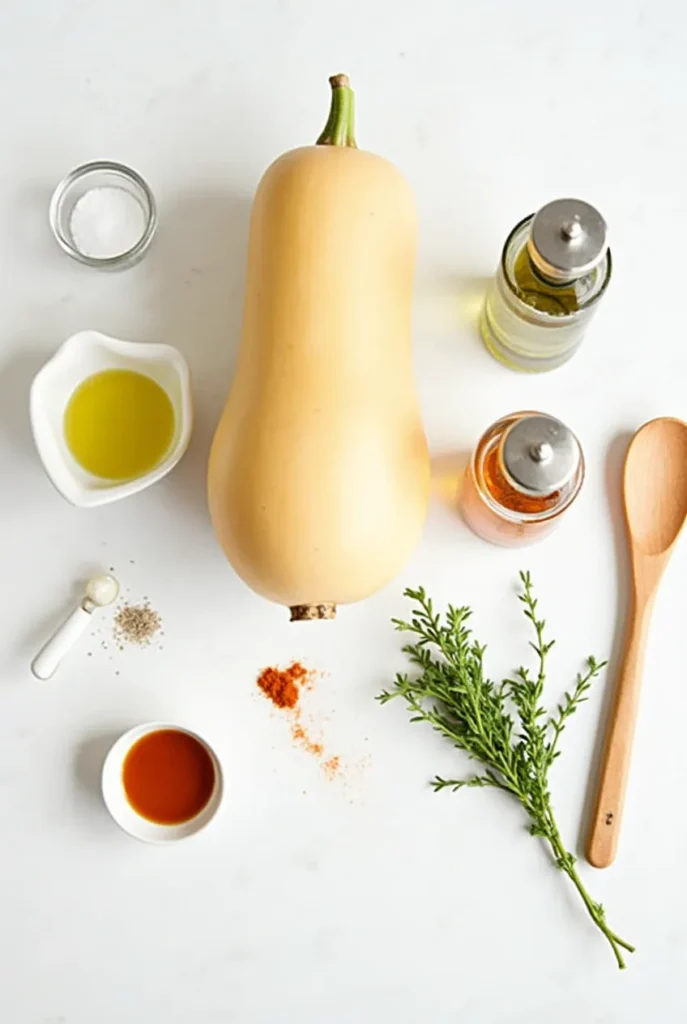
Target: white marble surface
<point>365,899</point>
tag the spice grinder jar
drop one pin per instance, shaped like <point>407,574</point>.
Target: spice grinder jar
<point>103,214</point>
<point>526,470</point>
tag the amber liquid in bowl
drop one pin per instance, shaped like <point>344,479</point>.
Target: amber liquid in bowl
<point>168,777</point>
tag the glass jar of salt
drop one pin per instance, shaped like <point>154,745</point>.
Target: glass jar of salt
<point>103,214</point>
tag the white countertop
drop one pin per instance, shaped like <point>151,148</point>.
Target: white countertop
<point>367,898</point>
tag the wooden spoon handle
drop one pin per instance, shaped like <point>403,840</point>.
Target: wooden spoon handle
<point>605,826</point>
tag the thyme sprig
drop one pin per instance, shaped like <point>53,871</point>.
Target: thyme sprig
<point>503,726</point>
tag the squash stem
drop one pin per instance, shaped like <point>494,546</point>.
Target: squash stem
<point>340,127</point>
<point>309,612</point>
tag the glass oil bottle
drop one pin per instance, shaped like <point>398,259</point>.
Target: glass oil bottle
<point>526,470</point>
<point>554,268</point>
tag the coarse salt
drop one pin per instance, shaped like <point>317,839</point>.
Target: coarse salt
<point>106,222</point>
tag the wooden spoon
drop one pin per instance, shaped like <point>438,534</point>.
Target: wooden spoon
<point>655,500</point>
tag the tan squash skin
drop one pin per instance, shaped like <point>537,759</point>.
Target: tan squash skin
<point>319,472</point>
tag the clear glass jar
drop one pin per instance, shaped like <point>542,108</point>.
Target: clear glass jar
<point>102,175</point>
<point>526,470</point>
<point>554,268</point>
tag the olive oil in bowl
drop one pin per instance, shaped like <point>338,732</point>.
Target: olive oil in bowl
<point>119,424</point>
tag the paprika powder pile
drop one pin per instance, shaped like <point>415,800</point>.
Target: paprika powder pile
<point>283,687</point>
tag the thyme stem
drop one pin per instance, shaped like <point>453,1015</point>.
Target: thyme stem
<point>506,728</point>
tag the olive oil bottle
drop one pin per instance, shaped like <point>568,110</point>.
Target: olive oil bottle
<point>555,267</point>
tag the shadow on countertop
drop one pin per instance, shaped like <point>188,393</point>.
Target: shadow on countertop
<point>195,302</point>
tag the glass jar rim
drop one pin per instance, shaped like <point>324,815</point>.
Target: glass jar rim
<point>549,319</point>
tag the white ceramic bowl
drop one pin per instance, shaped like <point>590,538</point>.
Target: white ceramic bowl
<point>122,811</point>
<point>86,353</point>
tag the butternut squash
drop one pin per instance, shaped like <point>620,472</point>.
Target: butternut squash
<point>318,480</point>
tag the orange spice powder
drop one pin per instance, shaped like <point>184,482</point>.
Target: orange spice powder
<point>283,687</point>
<point>331,767</point>
<point>300,736</point>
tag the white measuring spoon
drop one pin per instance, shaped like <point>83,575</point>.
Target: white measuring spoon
<point>100,591</point>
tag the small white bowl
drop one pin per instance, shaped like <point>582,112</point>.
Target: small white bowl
<point>82,355</point>
<point>121,810</point>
